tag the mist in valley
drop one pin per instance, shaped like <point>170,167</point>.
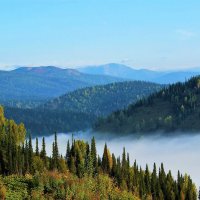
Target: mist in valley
<point>177,153</point>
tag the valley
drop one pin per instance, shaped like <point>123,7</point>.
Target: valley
<point>135,124</point>
<point>99,100</point>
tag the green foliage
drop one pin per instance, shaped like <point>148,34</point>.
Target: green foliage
<point>26,174</point>
<point>102,100</point>
<point>38,165</point>
<point>44,121</point>
<point>173,108</point>
<point>78,110</point>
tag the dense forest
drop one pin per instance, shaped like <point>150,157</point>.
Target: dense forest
<point>104,99</point>
<point>45,122</point>
<point>29,173</point>
<point>173,108</point>
<point>23,103</point>
<point>79,110</point>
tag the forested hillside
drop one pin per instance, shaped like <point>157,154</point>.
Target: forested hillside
<point>174,108</point>
<point>102,100</point>
<point>42,83</point>
<point>45,122</point>
<point>79,110</point>
<point>29,173</point>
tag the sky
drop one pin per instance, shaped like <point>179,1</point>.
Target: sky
<point>156,34</point>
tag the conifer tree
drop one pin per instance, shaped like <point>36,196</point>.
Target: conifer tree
<point>87,158</point>
<point>55,154</point>
<point>142,187</point>
<point>147,180</point>
<point>105,160</point>
<point>114,166</point>
<point>72,166</point>
<point>26,155</point>
<point>90,168</point>
<point>36,147</point>
<point>94,154</point>
<point>162,179</point>
<point>154,190</point>
<point>43,154</point>
<point>67,157</point>
<point>30,153</point>
<point>124,165</point>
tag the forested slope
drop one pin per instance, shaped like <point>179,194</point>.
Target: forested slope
<point>79,110</point>
<point>174,108</point>
<point>45,122</point>
<point>28,173</point>
<point>104,99</point>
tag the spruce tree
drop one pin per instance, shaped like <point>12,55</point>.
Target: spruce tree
<point>36,147</point>
<point>30,153</point>
<point>105,160</point>
<point>67,157</point>
<point>147,180</point>
<point>94,154</point>
<point>26,155</point>
<point>114,167</point>
<point>43,154</point>
<point>154,182</point>
<point>55,154</point>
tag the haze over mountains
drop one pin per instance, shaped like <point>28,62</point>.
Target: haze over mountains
<point>74,98</point>
<point>41,83</point>
<point>126,72</point>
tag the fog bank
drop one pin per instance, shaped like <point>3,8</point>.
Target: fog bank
<point>177,153</point>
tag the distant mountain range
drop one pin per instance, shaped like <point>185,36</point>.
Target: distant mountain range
<point>123,71</point>
<point>39,83</point>
<point>55,99</point>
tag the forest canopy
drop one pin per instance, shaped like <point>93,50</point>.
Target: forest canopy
<point>29,173</point>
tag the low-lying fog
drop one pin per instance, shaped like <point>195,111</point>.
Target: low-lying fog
<point>181,152</point>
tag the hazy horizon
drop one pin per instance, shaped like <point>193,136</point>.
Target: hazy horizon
<point>13,67</point>
<point>159,35</point>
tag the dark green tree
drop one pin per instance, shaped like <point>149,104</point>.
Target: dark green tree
<point>36,147</point>
<point>105,160</point>
<point>94,154</point>
<point>43,153</point>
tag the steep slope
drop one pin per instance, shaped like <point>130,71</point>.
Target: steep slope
<point>102,100</point>
<point>38,83</point>
<point>176,107</point>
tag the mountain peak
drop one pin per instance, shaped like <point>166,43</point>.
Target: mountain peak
<point>40,69</point>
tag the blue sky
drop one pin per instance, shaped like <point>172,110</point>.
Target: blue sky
<point>154,34</point>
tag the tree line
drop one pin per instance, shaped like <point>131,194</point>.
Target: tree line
<point>17,156</point>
